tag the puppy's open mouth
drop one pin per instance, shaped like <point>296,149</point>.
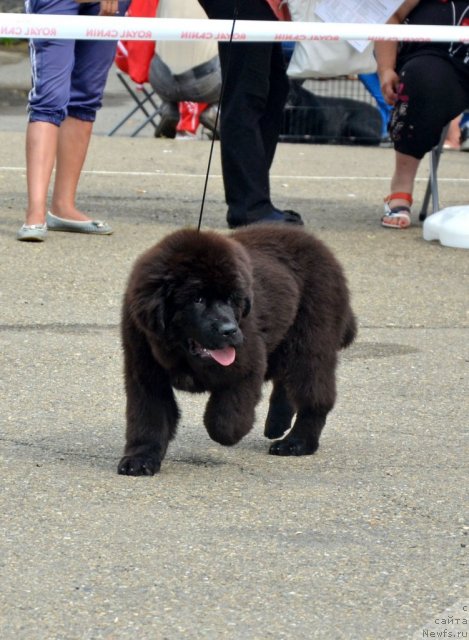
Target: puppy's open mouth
<point>225,356</point>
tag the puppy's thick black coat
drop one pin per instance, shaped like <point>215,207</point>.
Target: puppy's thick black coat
<point>210,312</point>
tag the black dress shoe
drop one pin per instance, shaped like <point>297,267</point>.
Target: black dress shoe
<point>293,217</point>
<point>276,217</point>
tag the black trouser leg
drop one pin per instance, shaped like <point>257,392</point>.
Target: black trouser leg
<point>256,88</point>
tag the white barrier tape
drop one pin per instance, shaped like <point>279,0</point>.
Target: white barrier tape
<point>54,27</point>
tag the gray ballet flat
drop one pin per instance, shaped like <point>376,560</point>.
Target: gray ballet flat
<point>96,227</point>
<point>32,233</point>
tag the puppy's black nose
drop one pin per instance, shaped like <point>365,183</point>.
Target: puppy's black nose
<point>227,329</point>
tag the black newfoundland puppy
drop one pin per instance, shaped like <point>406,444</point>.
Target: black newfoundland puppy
<point>218,313</point>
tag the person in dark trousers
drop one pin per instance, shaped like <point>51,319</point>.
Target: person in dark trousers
<point>255,92</point>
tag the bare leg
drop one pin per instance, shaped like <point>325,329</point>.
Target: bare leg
<point>405,170</point>
<point>403,179</point>
<point>74,139</point>
<point>454,134</point>
<point>41,150</point>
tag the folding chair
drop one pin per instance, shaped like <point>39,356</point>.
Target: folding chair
<point>133,60</point>
<point>432,184</point>
<point>145,101</point>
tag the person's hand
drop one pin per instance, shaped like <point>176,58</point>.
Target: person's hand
<point>108,7</point>
<point>389,83</point>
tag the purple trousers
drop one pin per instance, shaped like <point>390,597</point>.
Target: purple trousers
<point>68,76</point>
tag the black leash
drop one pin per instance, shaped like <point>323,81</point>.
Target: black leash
<point>222,91</point>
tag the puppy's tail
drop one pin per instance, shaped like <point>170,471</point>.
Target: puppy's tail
<point>350,331</point>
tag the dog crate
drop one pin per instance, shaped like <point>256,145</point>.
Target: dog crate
<point>324,123</point>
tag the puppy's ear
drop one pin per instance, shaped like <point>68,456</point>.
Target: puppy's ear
<point>247,306</point>
<point>147,304</point>
<point>155,313</point>
<point>244,277</point>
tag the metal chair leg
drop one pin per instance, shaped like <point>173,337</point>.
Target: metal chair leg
<point>141,105</point>
<point>432,184</point>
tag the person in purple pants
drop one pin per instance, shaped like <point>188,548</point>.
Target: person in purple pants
<point>68,80</point>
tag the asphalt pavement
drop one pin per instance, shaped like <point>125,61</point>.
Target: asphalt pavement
<point>367,539</point>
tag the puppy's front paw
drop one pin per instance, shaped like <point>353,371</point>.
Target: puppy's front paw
<point>138,466</point>
<point>293,447</point>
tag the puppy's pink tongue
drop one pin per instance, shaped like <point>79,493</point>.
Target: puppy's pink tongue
<point>225,356</point>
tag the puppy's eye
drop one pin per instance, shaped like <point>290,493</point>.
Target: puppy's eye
<point>199,299</point>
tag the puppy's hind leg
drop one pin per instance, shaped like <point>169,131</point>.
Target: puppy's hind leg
<point>281,412</point>
<point>314,394</point>
<point>303,439</point>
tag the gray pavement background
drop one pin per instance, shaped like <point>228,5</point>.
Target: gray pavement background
<point>365,540</point>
